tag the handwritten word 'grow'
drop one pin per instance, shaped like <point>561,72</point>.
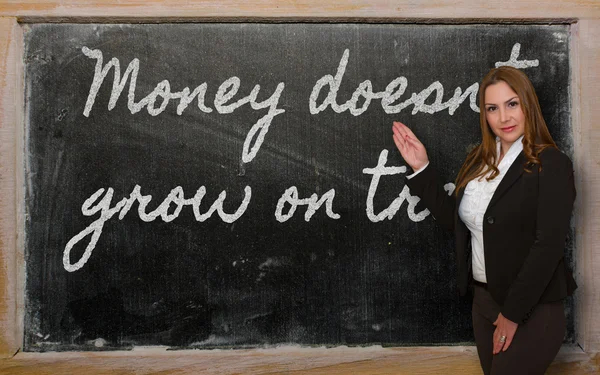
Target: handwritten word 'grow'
<point>176,198</point>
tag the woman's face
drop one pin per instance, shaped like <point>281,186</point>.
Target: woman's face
<point>504,113</point>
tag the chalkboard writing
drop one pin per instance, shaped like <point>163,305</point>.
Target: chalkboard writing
<point>232,185</point>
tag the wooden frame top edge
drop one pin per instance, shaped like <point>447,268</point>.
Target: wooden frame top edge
<point>322,19</point>
<point>304,8</point>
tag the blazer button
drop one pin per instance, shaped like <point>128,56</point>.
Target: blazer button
<point>490,220</point>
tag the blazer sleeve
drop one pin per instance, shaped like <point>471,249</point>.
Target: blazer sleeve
<point>556,194</point>
<point>427,186</point>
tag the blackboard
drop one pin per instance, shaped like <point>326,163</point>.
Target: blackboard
<point>287,127</point>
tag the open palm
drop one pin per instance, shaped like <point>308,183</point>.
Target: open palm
<point>411,149</point>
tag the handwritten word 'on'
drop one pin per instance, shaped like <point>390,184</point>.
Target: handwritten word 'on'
<point>290,196</point>
<point>227,90</point>
<point>396,88</point>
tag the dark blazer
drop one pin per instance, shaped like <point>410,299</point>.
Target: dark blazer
<point>524,232</point>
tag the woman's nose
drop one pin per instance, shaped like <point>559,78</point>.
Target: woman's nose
<point>503,115</point>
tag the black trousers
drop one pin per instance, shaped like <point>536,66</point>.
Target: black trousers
<point>534,345</point>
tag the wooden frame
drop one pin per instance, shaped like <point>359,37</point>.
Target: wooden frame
<point>585,59</point>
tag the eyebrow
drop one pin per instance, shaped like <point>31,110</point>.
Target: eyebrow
<point>511,99</point>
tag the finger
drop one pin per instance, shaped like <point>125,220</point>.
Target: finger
<point>410,133</point>
<point>497,344</point>
<point>399,144</point>
<point>399,128</point>
<point>401,139</point>
<point>507,343</point>
<point>399,124</point>
<point>509,339</point>
<point>397,132</point>
<point>413,142</point>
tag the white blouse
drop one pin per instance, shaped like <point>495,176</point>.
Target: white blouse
<point>475,201</point>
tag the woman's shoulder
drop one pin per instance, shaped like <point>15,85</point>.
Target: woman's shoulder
<point>553,158</point>
<point>553,154</point>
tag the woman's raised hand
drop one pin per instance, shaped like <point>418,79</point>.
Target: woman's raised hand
<point>411,149</point>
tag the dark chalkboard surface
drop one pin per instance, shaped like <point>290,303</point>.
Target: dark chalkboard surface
<point>233,184</point>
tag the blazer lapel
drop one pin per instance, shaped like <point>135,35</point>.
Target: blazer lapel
<point>514,172</point>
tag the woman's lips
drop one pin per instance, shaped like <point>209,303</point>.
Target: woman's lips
<point>509,129</point>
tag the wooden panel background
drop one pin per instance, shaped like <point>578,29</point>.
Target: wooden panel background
<point>585,60</point>
<point>587,161</point>
<point>10,82</point>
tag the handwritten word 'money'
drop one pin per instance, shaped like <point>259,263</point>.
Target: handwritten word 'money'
<point>396,89</point>
<point>176,198</point>
<point>388,213</point>
<point>227,90</point>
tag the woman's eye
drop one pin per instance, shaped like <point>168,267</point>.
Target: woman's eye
<point>513,104</point>
<point>491,109</point>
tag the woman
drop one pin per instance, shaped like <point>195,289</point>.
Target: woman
<point>510,213</point>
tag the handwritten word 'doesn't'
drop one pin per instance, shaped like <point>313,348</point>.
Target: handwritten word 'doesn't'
<point>395,89</point>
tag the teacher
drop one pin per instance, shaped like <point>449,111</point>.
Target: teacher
<point>510,214</point>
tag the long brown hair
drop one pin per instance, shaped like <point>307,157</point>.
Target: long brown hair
<point>482,159</point>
